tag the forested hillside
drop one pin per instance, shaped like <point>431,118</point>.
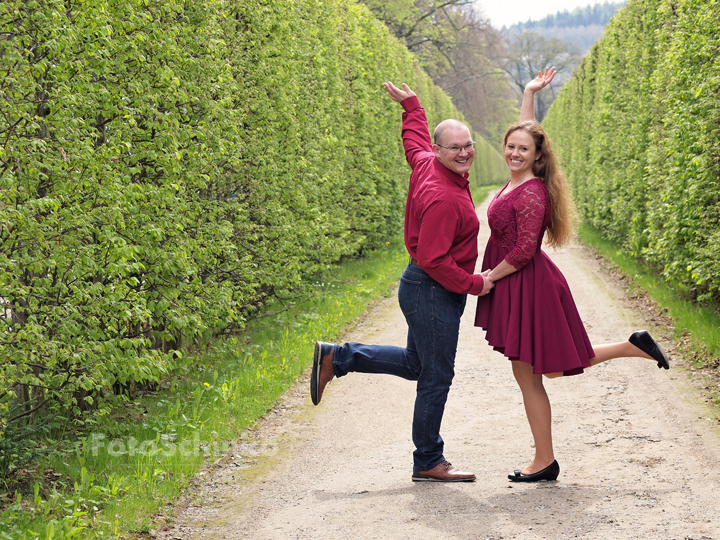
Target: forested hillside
<point>638,131</point>
<point>167,166</point>
<point>580,16</point>
<point>582,26</point>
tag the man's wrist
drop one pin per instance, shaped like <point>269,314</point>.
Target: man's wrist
<point>410,103</point>
<point>477,284</point>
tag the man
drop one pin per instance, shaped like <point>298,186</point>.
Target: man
<point>441,229</point>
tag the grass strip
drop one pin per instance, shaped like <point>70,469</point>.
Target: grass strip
<point>109,482</point>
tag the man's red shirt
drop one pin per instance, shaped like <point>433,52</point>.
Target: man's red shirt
<point>441,225</point>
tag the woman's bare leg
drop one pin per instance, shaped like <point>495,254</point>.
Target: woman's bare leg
<point>609,351</point>
<point>539,415</point>
<point>624,349</point>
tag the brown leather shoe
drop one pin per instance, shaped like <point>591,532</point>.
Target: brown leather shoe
<point>444,472</point>
<point>322,370</point>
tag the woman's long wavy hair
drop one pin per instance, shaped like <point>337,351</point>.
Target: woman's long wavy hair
<point>563,214</point>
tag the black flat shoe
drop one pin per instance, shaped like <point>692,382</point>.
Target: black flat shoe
<point>550,473</point>
<point>644,341</point>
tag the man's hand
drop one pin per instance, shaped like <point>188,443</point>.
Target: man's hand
<point>541,81</point>
<point>396,94</point>
<point>487,284</point>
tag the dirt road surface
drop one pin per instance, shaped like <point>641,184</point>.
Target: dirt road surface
<point>638,450</point>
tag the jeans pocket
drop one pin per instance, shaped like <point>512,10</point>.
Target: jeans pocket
<point>409,295</point>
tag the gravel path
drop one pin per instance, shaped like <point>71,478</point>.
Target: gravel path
<point>638,450</point>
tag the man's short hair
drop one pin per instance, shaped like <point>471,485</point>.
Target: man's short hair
<point>444,125</point>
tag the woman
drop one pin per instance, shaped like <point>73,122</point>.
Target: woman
<point>530,316</point>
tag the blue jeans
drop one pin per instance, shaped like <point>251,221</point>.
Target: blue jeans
<point>433,317</point>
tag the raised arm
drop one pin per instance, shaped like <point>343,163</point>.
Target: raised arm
<point>527,111</point>
<point>415,134</point>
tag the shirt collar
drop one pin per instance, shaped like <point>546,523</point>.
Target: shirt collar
<point>460,179</point>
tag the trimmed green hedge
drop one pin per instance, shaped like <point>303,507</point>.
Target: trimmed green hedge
<point>490,163</point>
<point>165,166</point>
<point>638,131</point>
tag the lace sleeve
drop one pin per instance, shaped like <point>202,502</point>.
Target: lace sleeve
<point>530,206</point>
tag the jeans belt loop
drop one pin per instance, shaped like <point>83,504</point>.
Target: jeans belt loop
<point>413,262</point>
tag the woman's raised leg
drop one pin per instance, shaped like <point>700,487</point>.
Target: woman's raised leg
<point>610,351</point>
<point>624,349</point>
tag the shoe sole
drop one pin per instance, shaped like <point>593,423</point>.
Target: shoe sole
<point>665,363</point>
<point>533,481</point>
<point>430,479</point>
<point>315,375</point>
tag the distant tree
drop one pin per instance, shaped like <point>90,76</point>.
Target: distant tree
<point>529,53</point>
<point>460,51</point>
<point>477,83</point>
<point>582,36</point>
<point>429,28</point>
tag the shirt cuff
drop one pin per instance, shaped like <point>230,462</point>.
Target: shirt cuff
<point>478,282</point>
<point>410,104</point>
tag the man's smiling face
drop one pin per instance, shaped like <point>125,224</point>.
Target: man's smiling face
<point>457,161</point>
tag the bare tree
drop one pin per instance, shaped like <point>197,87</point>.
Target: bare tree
<point>460,51</point>
<point>529,53</point>
<point>476,81</point>
<point>429,28</point>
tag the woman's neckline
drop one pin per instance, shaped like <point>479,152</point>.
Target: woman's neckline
<point>504,191</point>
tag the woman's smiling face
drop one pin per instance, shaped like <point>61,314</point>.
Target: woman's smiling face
<point>520,154</point>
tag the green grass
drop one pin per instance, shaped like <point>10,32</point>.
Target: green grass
<point>111,482</point>
<point>699,324</point>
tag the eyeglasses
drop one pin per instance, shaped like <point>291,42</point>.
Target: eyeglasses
<point>457,149</point>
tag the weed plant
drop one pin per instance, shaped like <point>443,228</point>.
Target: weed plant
<point>111,482</point>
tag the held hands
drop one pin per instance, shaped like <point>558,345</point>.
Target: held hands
<point>396,94</point>
<point>488,284</point>
<point>541,81</point>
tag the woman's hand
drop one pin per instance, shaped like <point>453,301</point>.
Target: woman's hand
<point>527,109</point>
<point>541,81</point>
<point>503,269</point>
<point>488,284</point>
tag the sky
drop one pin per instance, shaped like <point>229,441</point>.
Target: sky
<point>507,12</point>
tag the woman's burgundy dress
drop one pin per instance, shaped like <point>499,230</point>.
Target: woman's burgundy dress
<point>530,315</point>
